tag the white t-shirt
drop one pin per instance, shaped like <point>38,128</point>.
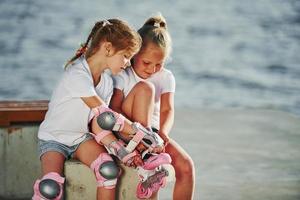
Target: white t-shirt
<point>67,118</point>
<point>163,82</point>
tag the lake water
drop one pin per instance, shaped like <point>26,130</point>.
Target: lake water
<point>233,53</point>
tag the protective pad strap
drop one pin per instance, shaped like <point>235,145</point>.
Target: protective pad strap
<point>135,141</point>
<point>128,157</point>
<point>119,126</point>
<point>101,181</point>
<point>99,136</point>
<point>52,175</point>
<point>100,109</point>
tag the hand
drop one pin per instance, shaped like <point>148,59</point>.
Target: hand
<point>158,149</point>
<point>136,161</point>
<point>165,138</point>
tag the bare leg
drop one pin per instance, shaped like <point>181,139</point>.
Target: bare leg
<point>184,172</point>
<point>142,96</point>
<point>139,104</point>
<point>52,168</point>
<point>52,161</point>
<point>87,152</point>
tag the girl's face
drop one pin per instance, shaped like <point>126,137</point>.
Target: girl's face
<point>119,61</point>
<point>148,61</point>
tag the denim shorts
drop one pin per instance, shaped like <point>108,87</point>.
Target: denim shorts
<point>51,145</point>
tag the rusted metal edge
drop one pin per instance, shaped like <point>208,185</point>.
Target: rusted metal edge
<point>12,112</point>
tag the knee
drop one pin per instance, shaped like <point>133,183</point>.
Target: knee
<point>106,171</point>
<point>49,187</point>
<point>145,88</point>
<point>185,169</point>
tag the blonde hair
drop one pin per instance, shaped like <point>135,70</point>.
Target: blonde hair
<point>155,31</point>
<point>116,31</point>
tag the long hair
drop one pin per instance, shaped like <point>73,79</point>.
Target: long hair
<point>116,31</point>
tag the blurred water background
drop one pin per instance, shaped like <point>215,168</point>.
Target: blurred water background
<point>233,53</point>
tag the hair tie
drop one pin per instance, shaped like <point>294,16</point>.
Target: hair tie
<point>105,22</point>
<point>81,50</point>
<point>156,24</point>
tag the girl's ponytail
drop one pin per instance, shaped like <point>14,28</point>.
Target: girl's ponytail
<point>157,21</point>
<point>155,31</point>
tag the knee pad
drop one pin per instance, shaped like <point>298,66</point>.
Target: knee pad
<point>106,171</point>
<point>49,187</point>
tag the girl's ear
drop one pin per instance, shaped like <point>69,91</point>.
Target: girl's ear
<point>108,48</point>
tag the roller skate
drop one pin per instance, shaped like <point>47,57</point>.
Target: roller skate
<point>152,175</point>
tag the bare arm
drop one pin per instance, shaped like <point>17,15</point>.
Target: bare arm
<point>93,101</point>
<point>116,100</point>
<point>166,115</point>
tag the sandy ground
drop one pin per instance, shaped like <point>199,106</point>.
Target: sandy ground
<point>241,154</point>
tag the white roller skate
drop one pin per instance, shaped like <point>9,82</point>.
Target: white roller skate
<point>152,175</point>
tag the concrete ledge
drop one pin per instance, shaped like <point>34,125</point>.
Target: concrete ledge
<point>81,182</point>
<point>19,163</point>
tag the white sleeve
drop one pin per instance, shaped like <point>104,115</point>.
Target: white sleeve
<point>118,82</point>
<point>80,84</point>
<point>168,83</point>
<point>108,87</point>
<point>108,98</point>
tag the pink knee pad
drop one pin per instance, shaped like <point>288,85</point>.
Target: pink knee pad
<point>49,187</point>
<point>106,171</point>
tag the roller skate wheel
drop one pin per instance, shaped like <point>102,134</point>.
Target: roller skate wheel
<point>143,193</point>
<point>163,182</point>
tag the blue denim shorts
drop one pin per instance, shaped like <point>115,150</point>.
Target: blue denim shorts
<point>51,145</point>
